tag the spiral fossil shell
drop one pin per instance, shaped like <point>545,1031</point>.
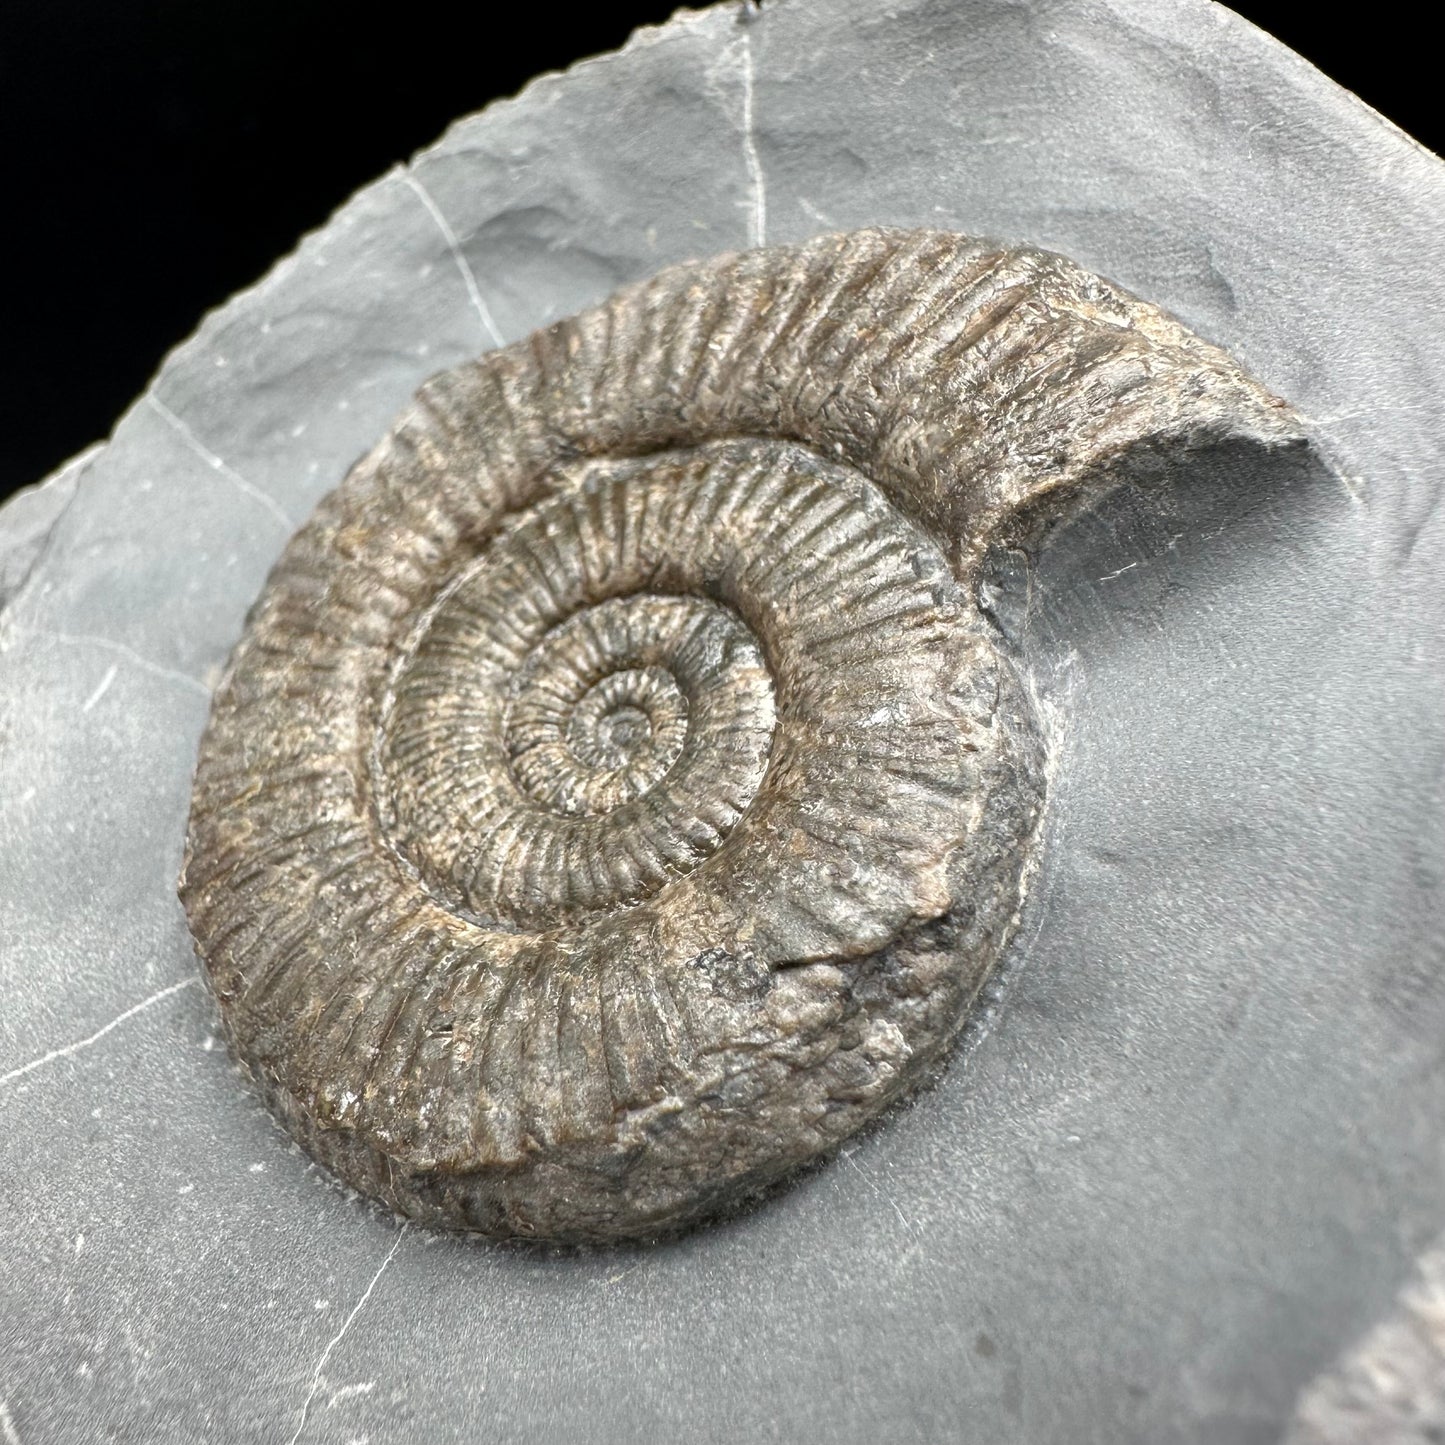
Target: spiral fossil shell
<point>618,796</point>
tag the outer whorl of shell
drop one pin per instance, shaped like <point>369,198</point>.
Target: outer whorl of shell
<point>617,797</point>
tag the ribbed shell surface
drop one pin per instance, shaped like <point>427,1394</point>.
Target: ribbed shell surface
<point>617,797</point>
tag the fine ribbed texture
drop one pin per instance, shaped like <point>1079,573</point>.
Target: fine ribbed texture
<point>617,798</point>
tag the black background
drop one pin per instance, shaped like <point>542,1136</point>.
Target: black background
<point>159,154</point>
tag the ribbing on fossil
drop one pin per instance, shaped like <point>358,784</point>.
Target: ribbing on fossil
<point>618,798</point>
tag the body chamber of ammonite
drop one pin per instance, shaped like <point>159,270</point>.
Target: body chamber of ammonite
<point>618,796</point>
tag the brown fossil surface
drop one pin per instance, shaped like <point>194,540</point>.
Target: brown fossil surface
<point>618,797</point>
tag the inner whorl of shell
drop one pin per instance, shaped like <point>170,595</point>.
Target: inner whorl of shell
<point>617,797</point>
<point>656,651</point>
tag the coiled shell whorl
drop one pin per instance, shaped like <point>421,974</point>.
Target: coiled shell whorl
<point>617,797</point>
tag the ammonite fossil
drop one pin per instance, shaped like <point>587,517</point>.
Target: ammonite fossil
<point>618,796</point>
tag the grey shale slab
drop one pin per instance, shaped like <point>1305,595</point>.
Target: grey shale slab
<point>1193,1155</point>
